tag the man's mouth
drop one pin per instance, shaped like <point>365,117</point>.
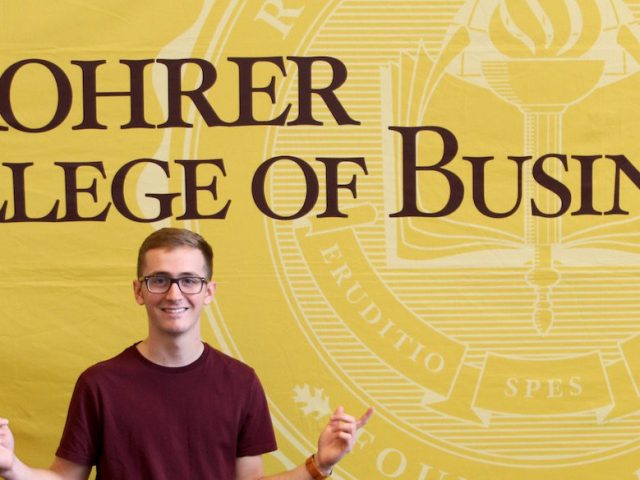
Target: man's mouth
<point>174,309</point>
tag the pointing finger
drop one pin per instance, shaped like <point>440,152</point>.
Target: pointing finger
<point>362,421</point>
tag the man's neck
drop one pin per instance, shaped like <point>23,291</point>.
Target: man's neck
<point>170,353</point>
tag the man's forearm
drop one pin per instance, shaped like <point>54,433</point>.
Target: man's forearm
<point>309,471</point>
<point>298,473</point>
<point>20,471</point>
<point>60,470</point>
<point>251,468</point>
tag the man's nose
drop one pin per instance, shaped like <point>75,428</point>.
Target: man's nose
<point>174,291</point>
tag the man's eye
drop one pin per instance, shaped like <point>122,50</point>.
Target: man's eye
<point>158,281</point>
<point>189,281</point>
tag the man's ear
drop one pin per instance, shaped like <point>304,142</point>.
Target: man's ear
<point>209,292</point>
<point>137,292</point>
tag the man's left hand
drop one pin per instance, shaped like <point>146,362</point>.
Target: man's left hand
<point>338,438</point>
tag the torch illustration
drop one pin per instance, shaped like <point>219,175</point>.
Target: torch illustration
<point>544,72</point>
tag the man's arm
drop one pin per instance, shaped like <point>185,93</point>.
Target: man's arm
<point>336,440</point>
<point>11,468</point>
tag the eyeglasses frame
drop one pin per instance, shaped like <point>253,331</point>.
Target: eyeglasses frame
<point>203,282</point>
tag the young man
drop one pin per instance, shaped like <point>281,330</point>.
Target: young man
<point>171,407</point>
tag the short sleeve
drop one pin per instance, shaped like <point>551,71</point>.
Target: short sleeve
<point>256,435</point>
<point>80,437</point>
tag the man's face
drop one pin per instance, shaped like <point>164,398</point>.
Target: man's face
<point>173,312</point>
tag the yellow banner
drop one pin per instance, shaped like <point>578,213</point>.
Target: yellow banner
<point>430,207</point>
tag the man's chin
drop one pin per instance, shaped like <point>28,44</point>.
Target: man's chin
<point>177,324</point>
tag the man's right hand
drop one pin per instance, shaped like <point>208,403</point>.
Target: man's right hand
<point>7,445</point>
<point>12,468</point>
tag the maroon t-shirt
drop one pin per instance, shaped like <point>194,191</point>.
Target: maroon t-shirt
<point>137,420</point>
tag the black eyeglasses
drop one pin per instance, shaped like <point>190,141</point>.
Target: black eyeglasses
<point>162,284</point>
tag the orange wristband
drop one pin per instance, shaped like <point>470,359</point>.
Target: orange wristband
<point>313,470</point>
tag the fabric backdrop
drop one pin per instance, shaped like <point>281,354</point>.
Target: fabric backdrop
<point>430,207</point>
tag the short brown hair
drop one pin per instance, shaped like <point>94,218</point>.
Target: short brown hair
<point>173,238</point>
